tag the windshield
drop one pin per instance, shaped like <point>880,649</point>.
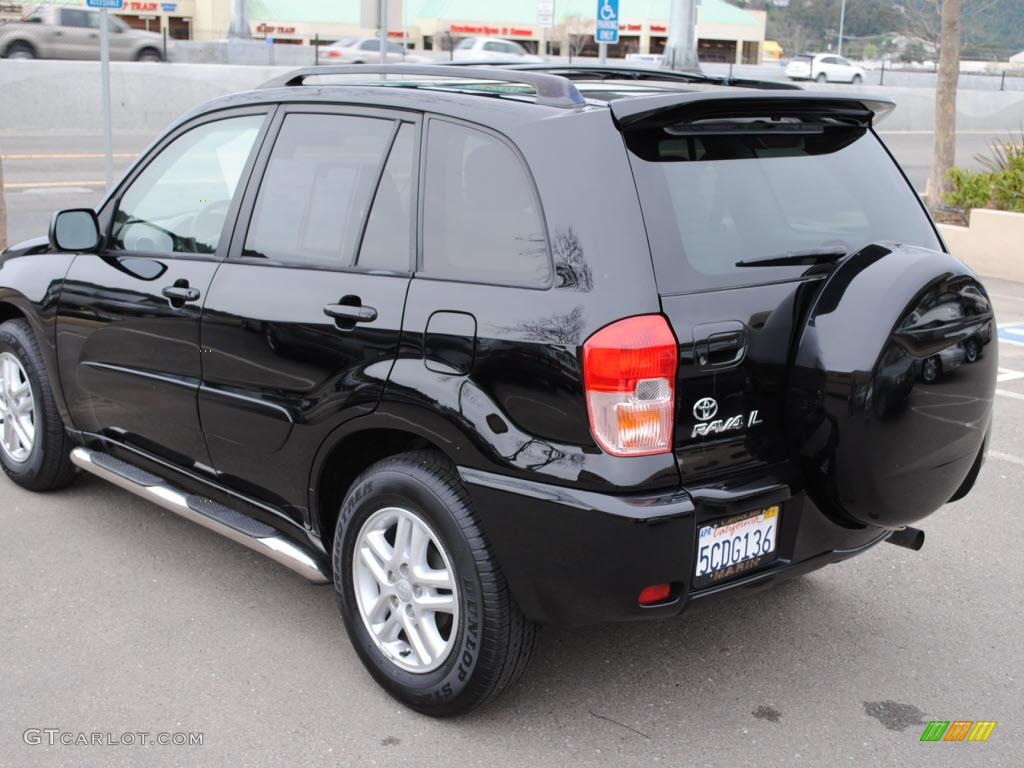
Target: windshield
<point>711,201</point>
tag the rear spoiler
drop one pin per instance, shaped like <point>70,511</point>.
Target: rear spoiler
<point>673,109</point>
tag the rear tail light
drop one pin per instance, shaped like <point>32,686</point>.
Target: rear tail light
<point>334,54</point>
<point>629,372</point>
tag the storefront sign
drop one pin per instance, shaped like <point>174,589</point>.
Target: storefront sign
<point>270,29</point>
<point>483,29</point>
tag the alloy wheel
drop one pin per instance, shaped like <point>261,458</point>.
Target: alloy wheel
<point>405,589</point>
<point>17,410</point>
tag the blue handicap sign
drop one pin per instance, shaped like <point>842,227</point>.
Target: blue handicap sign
<point>111,4</point>
<point>607,30</point>
<point>1012,333</point>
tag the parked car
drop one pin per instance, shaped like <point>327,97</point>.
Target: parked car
<point>60,32</point>
<point>492,49</point>
<point>824,68</point>
<point>379,335</point>
<point>362,50</point>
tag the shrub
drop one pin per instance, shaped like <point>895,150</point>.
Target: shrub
<point>970,189</point>
<point>1001,186</point>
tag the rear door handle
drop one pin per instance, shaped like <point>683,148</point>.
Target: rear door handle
<point>181,294</point>
<point>358,314</point>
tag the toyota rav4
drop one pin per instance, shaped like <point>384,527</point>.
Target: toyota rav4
<point>488,349</point>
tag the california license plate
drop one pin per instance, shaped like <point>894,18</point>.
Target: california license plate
<point>727,548</point>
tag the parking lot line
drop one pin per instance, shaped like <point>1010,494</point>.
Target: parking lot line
<point>52,184</point>
<point>1008,393</point>
<point>1012,334</point>
<point>1007,374</point>
<point>62,155</point>
<point>1007,457</point>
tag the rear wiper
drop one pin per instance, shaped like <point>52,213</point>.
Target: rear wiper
<point>808,256</point>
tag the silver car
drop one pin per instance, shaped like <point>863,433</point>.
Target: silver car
<point>362,50</point>
<point>60,32</point>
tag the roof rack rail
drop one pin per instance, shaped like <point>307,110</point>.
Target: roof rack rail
<point>586,71</point>
<point>552,90</point>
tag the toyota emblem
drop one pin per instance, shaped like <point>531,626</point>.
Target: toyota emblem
<point>705,408</point>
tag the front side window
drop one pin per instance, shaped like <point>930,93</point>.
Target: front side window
<point>481,218</point>
<point>370,45</point>
<point>317,189</point>
<point>179,203</point>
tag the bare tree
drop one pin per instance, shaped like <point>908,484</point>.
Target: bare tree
<point>575,30</point>
<point>944,148</point>
<point>924,18</point>
<point>793,36</point>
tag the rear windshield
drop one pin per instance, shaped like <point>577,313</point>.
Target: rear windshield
<point>711,201</point>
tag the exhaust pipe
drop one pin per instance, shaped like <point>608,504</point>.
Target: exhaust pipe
<point>911,538</point>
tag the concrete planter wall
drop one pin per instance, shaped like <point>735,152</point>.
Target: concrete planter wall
<point>993,244</point>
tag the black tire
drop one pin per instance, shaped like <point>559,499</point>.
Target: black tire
<point>20,50</point>
<point>494,641</point>
<point>857,80</point>
<point>931,371</point>
<point>971,350</point>
<point>149,54</point>
<point>48,465</point>
<point>821,78</point>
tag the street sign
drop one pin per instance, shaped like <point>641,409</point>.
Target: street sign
<point>545,14</point>
<point>115,5</point>
<point>607,21</point>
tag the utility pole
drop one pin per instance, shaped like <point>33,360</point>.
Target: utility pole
<point>681,49</point>
<point>383,31</point>
<point>842,18</point>
<point>108,132</point>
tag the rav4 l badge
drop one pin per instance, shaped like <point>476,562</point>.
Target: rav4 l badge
<point>705,409</point>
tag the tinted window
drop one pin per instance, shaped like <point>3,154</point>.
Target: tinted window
<point>493,47</point>
<point>179,202</point>
<point>711,201</point>
<point>73,18</point>
<point>387,242</point>
<point>370,45</point>
<point>317,188</point>
<point>395,48</point>
<point>481,220</point>
<point>466,44</point>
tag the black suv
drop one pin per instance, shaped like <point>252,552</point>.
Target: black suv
<point>488,349</point>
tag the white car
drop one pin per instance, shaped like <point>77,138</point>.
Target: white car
<point>492,49</point>
<point>363,50</point>
<point>824,68</point>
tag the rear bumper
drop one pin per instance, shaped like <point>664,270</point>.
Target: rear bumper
<point>575,557</point>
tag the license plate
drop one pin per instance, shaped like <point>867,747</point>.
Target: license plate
<point>739,544</point>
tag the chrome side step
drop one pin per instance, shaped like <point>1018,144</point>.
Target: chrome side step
<point>229,523</point>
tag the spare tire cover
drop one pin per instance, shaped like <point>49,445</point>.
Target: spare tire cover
<point>892,384</point>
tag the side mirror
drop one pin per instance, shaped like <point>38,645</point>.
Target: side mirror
<point>76,229</point>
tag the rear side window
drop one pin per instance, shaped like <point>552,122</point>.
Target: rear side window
<point>749,193</point>
<point>387,243</point>
<point>481,220</point>
<point>317,189</point>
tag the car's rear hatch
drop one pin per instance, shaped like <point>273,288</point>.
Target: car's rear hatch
<point>728,179</point>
